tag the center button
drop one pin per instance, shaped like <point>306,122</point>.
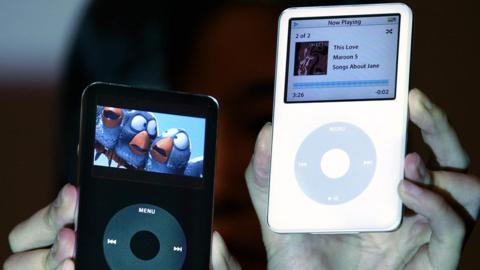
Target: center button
<point>335,163</point>
<point>145,245</point>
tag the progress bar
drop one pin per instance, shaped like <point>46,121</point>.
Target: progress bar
<point>332,84</point>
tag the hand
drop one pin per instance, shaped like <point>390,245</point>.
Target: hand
<point>443,202</point>
<point>31,241</point>
<point>48,226</point>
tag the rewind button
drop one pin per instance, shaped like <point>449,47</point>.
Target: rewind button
<point>111,241</point>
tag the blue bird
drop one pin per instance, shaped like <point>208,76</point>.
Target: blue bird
<point>138,131</point>
<point>107,130</point>
<point>195,167</point>
<point>169,152</point>
<point>98,114</point>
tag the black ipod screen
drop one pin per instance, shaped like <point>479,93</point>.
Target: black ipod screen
<point>149,141</point>
<point>146,169</point>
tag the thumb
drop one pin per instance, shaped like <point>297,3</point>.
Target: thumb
<point>258,171</point>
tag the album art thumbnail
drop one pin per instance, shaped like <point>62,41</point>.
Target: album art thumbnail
<point>149,141</point>
<point>311,58</point>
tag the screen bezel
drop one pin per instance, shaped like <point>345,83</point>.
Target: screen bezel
<point>285,95</point>
<point>168,102</point>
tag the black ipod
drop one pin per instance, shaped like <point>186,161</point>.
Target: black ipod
<point>146,175</point>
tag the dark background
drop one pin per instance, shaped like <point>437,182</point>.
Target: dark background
<point>225,49</point>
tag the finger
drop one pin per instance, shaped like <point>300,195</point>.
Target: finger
<point>261,156</point>
<point>436,131</point>
<point>63,248</point>
<point>221,258</point>
<point>257,173</point>
<point>44,259</point>
<point>448,230</point>
<point>415,169</point>
<point>464,189</point>
<point>32,260</point>
<point>41,229</point>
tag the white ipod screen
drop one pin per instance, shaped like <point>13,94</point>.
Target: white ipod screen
<point>342,58</point>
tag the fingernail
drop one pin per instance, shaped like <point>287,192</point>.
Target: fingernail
<point>422,172</point>
<point>261,156</point>
<point>261,135</point>
<point>60,198</point>
<point>411,188</point>
<point>411,167</point>
<point>427,103</point>
<point>262,130</point>
<point>217,237</point>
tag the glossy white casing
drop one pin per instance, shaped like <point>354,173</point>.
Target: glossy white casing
<point>378,207</point>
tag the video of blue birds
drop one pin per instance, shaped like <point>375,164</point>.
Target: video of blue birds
<point>149,141</point>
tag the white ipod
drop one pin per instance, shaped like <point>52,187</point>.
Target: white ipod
<point>340,118</point>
